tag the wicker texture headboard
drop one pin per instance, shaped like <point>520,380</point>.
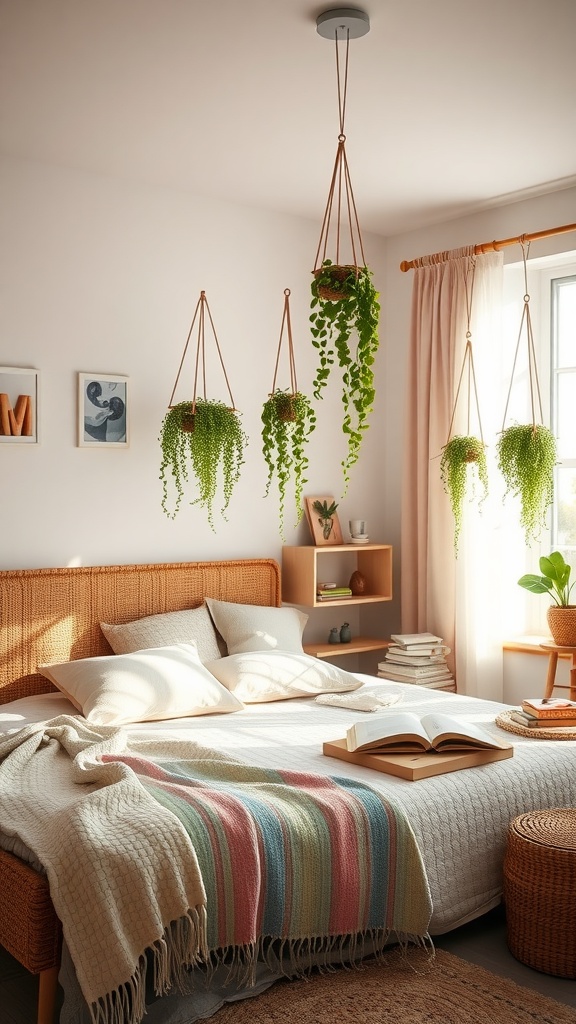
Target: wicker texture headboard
<point>54,614</point>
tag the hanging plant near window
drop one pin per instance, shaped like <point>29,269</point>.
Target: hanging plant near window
<point>201,439</point>
<point>345,306</point>
<point>527,452</point>
<point>463,463</point>
<point>287,422</point>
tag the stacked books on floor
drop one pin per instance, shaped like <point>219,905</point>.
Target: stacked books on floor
<point>546,713</point>
<point>417,658</point>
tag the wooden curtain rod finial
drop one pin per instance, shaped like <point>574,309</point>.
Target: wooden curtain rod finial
<point>496,246</point>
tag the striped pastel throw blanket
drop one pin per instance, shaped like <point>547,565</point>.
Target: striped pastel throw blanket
<point>226,862</point>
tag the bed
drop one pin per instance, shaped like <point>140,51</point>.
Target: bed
<point>459,821</point>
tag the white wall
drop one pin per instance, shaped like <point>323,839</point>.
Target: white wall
<point>102,275</point>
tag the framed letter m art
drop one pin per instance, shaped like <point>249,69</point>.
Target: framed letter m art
<point>102,411</point>
<point>18,405</point>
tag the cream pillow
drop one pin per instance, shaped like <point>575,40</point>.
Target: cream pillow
<point>147,686</point>
<point>260,676</point>
<point>192,625</point>
<point>250,627</point>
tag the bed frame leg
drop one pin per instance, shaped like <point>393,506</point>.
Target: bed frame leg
<point>47,987</point>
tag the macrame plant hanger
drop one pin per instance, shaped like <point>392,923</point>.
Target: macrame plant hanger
<point>468,365</point>
<point>526,320</point>
<point>341,193</point>
<point>202,308</point>
<point>289,413</point>
<point>462,452</point>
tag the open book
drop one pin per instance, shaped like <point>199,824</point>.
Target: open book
<point>402,732</point>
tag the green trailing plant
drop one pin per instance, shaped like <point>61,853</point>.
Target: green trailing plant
<point>345,305</point>
<point>526,459</point>
<point>555,579</point>
<point>325,514</point>
<point>203,438</point>
<point>287,421</point>
<point>463,457</point>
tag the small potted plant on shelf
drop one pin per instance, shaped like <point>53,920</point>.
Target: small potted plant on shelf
<point>463,461</point>
<point>344,304</point>
<point>287,421</point>
<point>555,581</point>
<point>203,438</point>
<point>526,459</point>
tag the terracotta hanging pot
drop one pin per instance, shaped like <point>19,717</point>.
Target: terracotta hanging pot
<point>562,624</point>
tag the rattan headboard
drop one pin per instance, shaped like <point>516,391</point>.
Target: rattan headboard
<point>55,614</point>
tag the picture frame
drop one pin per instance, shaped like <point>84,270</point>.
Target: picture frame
<point>19,405</point>
<point>318,526</point>
<point>103,411</point>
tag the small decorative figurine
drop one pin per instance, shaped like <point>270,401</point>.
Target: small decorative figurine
<point>334,637</point>
<point>357,583</point>
<point>345,634</point>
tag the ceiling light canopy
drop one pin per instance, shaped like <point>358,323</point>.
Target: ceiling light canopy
<point>348,22</point>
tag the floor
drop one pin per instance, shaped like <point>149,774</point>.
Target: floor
<point>482,942</point>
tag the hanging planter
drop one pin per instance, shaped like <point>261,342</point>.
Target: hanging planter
<point>527,452</point>
<point>287,421</point>
<point>462,466</point>
<point>202,440</point>
<point>345,307</point>
<point>463,463</point>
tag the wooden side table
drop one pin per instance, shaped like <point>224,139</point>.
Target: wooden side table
<point>554,650</point>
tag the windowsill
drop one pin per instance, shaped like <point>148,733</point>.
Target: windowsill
<point>529,644</point>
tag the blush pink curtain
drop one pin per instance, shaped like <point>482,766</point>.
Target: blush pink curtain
<point>432,578</point>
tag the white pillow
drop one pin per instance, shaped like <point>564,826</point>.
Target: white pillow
<point>147,686</point>
<point>259,676</point>
<point>251,627</point>
<point>192,625</point>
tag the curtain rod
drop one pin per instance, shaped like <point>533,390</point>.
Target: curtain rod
<point>496,246</point>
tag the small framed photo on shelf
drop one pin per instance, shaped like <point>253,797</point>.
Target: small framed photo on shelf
<point>323,520</point>
<point>18,405</point>
<point>103,411</point>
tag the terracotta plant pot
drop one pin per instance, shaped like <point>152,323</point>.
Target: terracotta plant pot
<point>562,625</point>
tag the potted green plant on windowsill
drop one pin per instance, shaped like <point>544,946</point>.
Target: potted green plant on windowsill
<point>345,307</point>
<point>203,439</point>
<point>463,462</point>
<point>287,421</point>
<point>555,581</point>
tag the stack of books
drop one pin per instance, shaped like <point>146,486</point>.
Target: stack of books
<point>417,658</point>
<point>332,592</point>
<point>546,713</point>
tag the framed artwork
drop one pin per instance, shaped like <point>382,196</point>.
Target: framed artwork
<point>18,405</point>
<point>103,411</point>
<point>323,520</point>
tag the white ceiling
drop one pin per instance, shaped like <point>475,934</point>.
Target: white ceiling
<point>453,105</point>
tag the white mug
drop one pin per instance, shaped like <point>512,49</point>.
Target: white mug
<point>358,527</point>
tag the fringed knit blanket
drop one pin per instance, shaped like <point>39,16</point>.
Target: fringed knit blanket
<point>171,849</point>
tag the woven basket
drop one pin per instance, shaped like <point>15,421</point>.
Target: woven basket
<point>337,274</point>
<point>562,624</point>
<point>540,890</point>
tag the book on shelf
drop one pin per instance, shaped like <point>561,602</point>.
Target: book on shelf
<point>419,651</point>
<point>541,723</point>
<point>549,707</point>
<point>410,640</point>
<point>334,595</point>
<point>403,732</point>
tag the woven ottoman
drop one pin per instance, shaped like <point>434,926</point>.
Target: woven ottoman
<point>540,890</point>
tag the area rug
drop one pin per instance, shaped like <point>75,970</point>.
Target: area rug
<point>417,990</point>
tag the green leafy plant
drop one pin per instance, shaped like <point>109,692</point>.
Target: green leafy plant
<point>345,303</point>
<point>526,459</point>
<point>325,516</point>
<point>460,456</point>
<point>206,439</point>
<point>287,421</point>
<point>555,579</point>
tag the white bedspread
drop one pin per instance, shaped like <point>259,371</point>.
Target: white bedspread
<point>460,819</point>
